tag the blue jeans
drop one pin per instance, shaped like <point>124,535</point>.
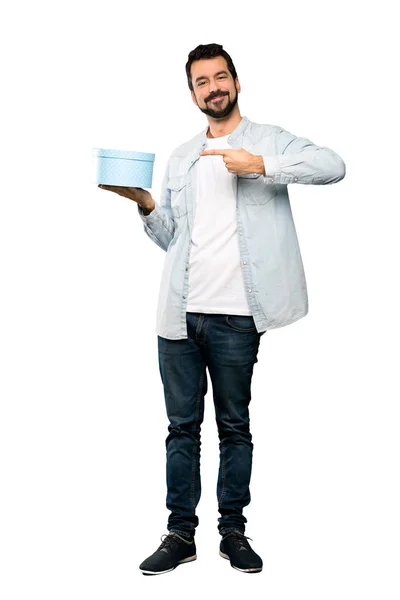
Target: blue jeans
<point>228,346</point>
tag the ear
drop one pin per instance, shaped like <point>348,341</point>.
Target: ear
<point>239,89</point>
<point>194,97</point>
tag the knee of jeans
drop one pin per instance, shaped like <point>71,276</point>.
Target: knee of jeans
<point>241,425</point>
<point>185,428</point>
<point>233,436</point>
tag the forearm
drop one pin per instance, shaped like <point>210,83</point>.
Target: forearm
<point>147,207</point>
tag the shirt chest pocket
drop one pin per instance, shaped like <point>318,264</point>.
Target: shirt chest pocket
<point>254,190</point>
<point>178,187</point>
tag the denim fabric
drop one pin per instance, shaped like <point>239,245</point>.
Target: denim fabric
<point>226,345</point>
<point>270,257</point>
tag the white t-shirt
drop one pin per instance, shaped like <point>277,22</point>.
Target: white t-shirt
<point>215,278</point>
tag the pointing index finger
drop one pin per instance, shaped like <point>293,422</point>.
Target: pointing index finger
<point>206,152</point>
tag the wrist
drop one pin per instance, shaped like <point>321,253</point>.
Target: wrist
<point>147,208</point>
<point>258,164</point>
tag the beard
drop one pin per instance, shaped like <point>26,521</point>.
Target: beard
<point>221,113</point>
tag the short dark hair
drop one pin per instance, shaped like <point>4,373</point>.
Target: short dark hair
<point>208,51</point>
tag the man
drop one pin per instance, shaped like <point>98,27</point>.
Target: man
<point>232,271</point>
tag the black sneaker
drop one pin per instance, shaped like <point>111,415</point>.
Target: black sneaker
<point>173,551</point>
<point>235,547</point>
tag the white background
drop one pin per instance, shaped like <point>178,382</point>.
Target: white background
<point>83,420</point>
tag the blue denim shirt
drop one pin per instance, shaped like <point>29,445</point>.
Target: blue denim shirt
<point>270,256</point>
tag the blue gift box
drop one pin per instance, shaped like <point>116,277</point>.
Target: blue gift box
<point>123,167</point>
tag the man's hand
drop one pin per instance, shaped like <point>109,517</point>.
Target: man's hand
<point>239,162</point>
<point>139,195</point>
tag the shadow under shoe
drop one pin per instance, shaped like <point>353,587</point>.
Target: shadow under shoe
<point>235,547</point>
<point>173,551</point>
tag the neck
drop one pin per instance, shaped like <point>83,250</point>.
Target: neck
<point>221,127</point>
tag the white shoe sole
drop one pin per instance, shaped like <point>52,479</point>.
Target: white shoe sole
<point>255,570</point>
<point>185,560</point>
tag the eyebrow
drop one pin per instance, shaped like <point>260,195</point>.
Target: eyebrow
<point>205,77</point>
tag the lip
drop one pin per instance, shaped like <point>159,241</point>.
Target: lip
<point>218,98</point>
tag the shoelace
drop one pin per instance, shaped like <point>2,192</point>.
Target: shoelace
<point>169,539</point>
<point>239,539</point>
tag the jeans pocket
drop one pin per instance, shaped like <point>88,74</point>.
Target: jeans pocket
<point>243,323</point>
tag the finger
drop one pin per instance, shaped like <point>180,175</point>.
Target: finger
<point>110,188</point>
<point>123,191</point>
<point>213,152</point>
<point>117,189</point>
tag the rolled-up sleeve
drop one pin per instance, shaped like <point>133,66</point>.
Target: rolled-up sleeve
<point>298,160</point>
<point>159,225</point>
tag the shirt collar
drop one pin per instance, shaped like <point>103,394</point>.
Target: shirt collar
<point>233,136</point>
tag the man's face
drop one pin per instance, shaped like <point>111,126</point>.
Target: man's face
<point>211,78</point>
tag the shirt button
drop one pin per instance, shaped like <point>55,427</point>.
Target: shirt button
<point>184,297</point>
<point>245,262</point>
<point>240,233</point>
<point>186,269</point>
<point>296,178</point>
<point>250,291</point>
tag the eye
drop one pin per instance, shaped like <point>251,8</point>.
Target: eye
<point>201,83</point>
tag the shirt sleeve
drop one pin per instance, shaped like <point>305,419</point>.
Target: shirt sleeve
<point>298,160</point>
<point>159,225</point>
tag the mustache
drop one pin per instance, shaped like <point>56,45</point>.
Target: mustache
<point>216,96</point>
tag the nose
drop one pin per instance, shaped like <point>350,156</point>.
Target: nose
<point>213,87</point>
